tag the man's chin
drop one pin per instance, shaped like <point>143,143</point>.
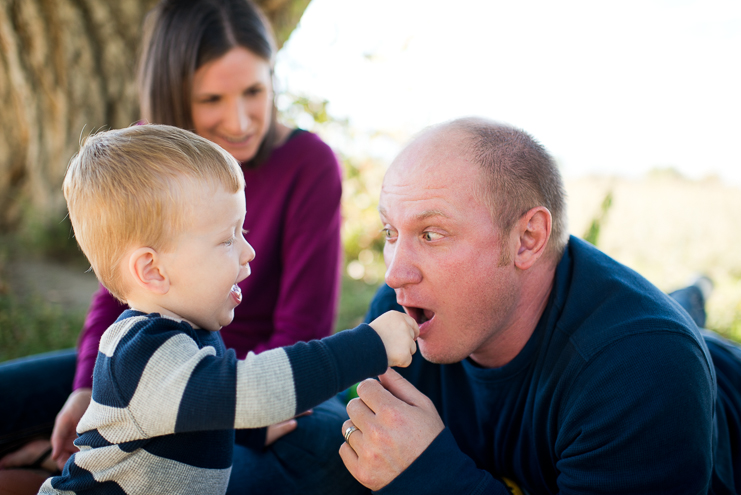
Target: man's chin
<point>437,355</point>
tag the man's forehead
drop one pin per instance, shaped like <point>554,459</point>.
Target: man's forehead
<point>436,146</point>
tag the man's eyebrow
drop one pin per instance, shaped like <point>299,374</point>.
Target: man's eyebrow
<point>421,215</point>
<point>430,213</point>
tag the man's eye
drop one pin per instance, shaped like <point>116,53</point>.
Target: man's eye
<point>431,236</point>
<point>387,234</point>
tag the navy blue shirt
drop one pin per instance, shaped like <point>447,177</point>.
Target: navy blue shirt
<point>615,392</point>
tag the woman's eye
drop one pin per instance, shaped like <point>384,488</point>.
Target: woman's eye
<point>209,100</point>
<point>253,91</point>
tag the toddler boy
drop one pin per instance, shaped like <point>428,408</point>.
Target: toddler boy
<point>158,211</point>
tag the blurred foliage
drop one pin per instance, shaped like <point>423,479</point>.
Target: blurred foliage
<point>30,325</point>
<point>33,325</point>
<point>49,238</point>
<point>592,233</point>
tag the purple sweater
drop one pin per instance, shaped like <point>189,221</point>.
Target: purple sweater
<point>293,219</point>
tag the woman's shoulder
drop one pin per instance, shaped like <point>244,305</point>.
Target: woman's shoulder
<point>298,140</point>
<point>304,149</point>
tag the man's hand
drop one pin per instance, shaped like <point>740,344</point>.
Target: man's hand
<point>65,426</point>
<point>395,424</point>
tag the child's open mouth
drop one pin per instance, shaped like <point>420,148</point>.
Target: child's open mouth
<point>236,293</point>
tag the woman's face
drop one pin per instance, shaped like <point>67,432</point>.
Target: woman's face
<point>232,102</point>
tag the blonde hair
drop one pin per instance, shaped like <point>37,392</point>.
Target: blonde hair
<point>130,186</point>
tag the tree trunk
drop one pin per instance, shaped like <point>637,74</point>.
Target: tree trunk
<point>68,68</point>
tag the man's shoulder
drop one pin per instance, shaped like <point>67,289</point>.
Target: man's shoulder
<point>601,301</point>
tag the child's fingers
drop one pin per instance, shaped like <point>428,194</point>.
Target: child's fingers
<point>412,326</point>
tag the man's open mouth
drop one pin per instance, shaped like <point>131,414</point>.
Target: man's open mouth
<point>420,315</point>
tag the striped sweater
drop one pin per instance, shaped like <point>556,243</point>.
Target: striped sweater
<point>167,399</point>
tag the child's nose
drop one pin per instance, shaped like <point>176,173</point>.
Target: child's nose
<point>248,253</point>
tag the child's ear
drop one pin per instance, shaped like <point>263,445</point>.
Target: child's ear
<point>148,273</point>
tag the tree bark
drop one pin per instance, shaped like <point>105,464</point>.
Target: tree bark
<point>68,68</point>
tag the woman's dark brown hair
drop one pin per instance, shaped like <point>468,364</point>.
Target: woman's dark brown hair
<point>180,36</point>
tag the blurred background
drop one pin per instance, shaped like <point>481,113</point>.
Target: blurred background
<point>638,101</point>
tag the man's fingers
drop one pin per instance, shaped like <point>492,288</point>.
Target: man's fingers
<point>359,412</point>
<point>374,396</point>
<point>388,390</point>
<point>349,458</point>
<point>395,384</point>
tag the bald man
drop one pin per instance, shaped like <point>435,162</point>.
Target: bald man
<point>545,365</point>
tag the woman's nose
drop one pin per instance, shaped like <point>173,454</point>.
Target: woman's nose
<point>238,119</point>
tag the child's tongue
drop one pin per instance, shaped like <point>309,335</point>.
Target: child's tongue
<point>237,293</point>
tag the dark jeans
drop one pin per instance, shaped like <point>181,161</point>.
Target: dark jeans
<point>306,461</point>
<point>33,390</point>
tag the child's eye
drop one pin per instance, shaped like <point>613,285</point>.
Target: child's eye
<point>229,242</point>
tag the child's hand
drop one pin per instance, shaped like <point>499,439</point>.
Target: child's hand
<point>398,332</point>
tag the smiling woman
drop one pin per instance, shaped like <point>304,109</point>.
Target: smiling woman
<point>231,102</point>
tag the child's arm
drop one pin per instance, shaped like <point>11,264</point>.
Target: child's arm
<point>168,385</point>
<point>272,388</point>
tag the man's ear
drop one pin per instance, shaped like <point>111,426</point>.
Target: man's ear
<point>534,228</point>
<point>147,271</point>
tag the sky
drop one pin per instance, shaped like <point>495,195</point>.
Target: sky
<point>609,88</point>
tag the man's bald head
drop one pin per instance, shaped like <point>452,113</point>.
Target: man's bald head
<point>517,172</point>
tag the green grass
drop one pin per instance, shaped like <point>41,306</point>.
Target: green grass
<point>33,325</point>
<point>355,297</point>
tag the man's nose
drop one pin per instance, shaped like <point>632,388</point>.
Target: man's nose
<point>401,265</point>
